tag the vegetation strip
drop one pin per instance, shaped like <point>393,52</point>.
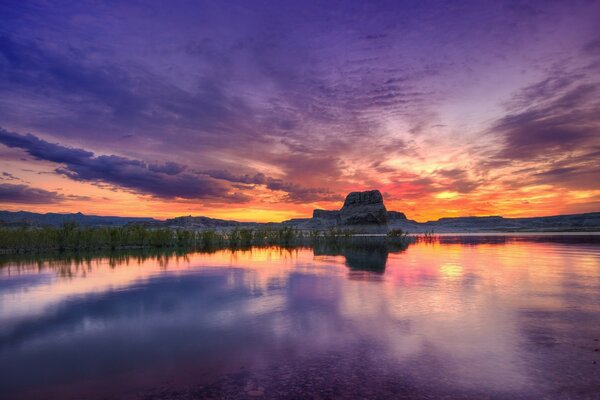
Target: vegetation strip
<point>73,237</point>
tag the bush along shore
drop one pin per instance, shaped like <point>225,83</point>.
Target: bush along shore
<point>71,237</point>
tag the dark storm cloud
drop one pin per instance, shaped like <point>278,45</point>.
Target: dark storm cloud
<point>166,181</point>
<point>23,194</point>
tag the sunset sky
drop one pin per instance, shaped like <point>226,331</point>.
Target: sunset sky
<point>264,110</point>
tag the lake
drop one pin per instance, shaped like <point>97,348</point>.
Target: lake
<point>490,317</point>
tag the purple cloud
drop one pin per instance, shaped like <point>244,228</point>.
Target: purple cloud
<point>557,124</point>
<point>328,96</point>
<point>552,130</point>
<point>165,181</point>
<point>295,193</point>
<point>9,177</point>
<point>23,194</point>
<point>168,180</point>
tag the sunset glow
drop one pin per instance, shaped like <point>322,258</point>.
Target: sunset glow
<point>264,111</point>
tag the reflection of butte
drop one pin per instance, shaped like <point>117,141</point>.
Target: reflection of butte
<point>369,256</point>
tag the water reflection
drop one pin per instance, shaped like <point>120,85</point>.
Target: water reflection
<point>370,255</point>
<point>512,319</point>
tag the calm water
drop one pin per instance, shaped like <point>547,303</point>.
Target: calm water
<point>474,318</point>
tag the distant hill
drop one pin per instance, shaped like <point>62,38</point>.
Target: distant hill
<point>191,222</point>
<point>362,212</point>
<point>25,218</point>
<point>588,222</point>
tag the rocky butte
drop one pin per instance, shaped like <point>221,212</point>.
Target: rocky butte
<point>361,212</point>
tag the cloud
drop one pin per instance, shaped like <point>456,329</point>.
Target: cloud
<point>552,133</point>
<point>295,193</point>
<point>165,181</point>
<point>82,87</point>
<point>169,168</point>
<point>593,47</point>
<point>299,194</point>
<point>252,94</point>
<point>579,172</point>
<point>315,95</point>
<point>557,124</point>
<point>256,179</point>
<point>43,150</point>
<point>168,180</point>
<point>23,194</point>
<point>456,179</point>
<point>9,177</point>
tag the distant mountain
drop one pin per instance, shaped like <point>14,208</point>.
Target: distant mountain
<point>560,223</point>
<point>361,212</point>
<point>25,218</point>
<point>191,222</point>
<point>589,222</point>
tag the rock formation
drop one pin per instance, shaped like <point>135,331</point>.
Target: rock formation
<point>330,215</point>
<point>362,212</point>
<point>394,216</point>
<point>364,208</point>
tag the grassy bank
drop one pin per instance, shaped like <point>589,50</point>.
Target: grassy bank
<point>71,237</point>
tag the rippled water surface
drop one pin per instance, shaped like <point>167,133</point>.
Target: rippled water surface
<point>456,318</point>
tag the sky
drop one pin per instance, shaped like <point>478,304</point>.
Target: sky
<point>265,110</point>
